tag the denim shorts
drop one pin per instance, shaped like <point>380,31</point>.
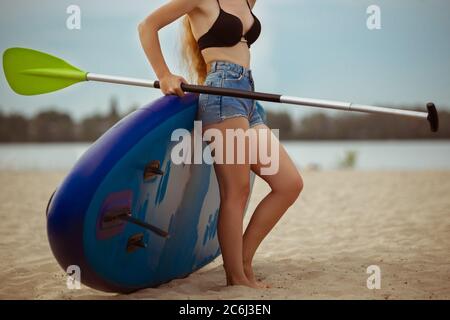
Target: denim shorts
<point>214,109</point>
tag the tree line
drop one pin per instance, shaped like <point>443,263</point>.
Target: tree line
<point>56,126</point>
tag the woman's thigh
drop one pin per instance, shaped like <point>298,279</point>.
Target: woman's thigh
<point>231,164</point>
<point>280,172</point>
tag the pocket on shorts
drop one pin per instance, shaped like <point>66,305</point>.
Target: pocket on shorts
<point>231,75</point>
<point>235,80</point>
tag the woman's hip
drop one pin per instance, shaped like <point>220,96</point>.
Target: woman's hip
<point>216,108</point>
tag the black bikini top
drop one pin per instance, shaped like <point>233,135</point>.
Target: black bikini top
<point>228,30</point>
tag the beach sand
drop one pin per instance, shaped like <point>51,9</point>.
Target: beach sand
<point>343,222</point>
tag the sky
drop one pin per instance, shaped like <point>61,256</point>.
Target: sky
<point>308,48</point>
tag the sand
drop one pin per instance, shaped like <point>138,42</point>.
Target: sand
<point>344,222</point>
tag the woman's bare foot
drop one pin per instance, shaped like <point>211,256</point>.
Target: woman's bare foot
<point>242,282</point>
<point>251,277</point>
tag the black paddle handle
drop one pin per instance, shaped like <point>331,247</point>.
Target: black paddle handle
<point>261,96</point>
<point>433,117</point>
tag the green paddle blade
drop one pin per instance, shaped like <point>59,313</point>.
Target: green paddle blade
<point>30,72</point>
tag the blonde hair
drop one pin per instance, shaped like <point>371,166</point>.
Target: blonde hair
<point>191,55</point>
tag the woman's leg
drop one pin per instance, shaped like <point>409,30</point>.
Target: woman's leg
<point>234,186</point>
<point>286,185</point>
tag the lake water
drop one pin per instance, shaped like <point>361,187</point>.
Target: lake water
<point>369,155</point>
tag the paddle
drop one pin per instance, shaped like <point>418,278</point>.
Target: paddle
<point>30,72</point>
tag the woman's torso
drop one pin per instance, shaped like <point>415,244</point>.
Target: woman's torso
<point>204,17</point>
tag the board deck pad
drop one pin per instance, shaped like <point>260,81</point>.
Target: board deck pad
<point>126,176</point>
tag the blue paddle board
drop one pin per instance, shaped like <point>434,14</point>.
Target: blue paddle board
<point>129,217</point>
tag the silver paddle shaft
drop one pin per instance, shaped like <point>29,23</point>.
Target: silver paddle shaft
<point>120,80</point>
<point>349,106</point>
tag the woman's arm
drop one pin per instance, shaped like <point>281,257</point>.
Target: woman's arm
<point>148,34</point>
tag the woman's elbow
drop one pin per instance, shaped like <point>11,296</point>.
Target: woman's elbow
<point>142,27</point>
<point>146,26</point>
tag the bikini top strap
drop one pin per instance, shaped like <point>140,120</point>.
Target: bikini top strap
<point>218,2</point>
<point>247,4</point>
